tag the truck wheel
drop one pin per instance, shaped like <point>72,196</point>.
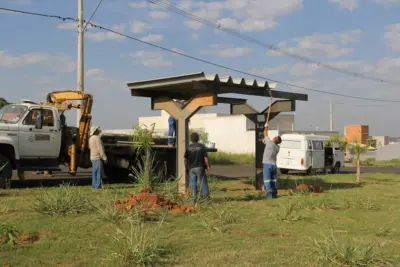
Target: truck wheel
<point>5,173</point>
<point>311,171</point>
<point>116,174</point>
<point>336,169</point>
<point>284,171</point>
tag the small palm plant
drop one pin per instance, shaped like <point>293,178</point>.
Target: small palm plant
<point>356,150</point>
<point>142,139</point>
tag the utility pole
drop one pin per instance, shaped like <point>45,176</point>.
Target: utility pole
<point>331,115</point>
<point>80,69</point>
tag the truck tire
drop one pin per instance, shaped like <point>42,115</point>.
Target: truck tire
<point>116,174</point>
<point>5,172</point>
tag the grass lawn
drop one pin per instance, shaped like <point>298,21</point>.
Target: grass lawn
<point>383,163</point>
<point>344,225</point>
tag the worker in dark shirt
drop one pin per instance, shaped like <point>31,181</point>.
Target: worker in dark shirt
<point>196,162</point>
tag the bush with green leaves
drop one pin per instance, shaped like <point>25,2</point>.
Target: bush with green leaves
<point>10,232</point>
<point>219,218</point>
<point>329,250</point>
<point>62,200</point>
<point>139,245</point>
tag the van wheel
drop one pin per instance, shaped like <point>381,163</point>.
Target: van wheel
<point>5,173</point>
<point>284,171</point>
<point>336,169</point>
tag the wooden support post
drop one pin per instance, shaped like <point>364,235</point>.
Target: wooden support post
<point>182,116</point>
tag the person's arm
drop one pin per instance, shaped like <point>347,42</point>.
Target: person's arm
<point>265,133</point>
<point>186,158</point>
<point>206,160</point>
<point>101,149</point>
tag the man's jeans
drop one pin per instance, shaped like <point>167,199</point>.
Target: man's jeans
<point>199,174</point>
<point>171,130</point>
<point>271,180</point>
<point>97,173</point>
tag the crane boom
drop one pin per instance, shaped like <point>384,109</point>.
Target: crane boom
<point>60,100</point>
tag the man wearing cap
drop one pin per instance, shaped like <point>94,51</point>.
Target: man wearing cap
<point>269,161</point>
<point>97,156</point>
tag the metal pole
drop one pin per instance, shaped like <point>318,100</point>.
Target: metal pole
<point>80,70</point>
<point>331,115</point>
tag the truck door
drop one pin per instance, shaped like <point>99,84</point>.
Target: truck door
<point>318,155</point>
<point>45,142</point>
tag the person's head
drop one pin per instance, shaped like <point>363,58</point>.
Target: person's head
<point>277,140</point>
<point>95,130</point>
<point>194,137</point>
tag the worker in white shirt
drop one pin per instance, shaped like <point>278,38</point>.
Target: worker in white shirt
<point>97,156</point>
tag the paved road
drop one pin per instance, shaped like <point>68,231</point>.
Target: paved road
<point>83,177</point>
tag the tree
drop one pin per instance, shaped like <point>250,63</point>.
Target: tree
<point>3,102</point>
<point>356,150</point>
<point>336,140</point>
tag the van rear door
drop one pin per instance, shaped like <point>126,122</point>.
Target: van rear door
<point>291,155</point>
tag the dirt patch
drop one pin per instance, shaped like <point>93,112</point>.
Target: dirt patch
<point>23,239</point>
<point>148,201</point>
<point>28,239</point>
<point>303,188</point>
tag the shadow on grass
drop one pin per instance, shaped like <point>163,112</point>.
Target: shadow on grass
<point>291,183</point>
<point>54,182</point>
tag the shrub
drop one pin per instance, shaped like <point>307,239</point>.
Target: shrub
<point>330,251</point>
<point>136,246</point>
<point>10,232</point>
<point>62,200</point>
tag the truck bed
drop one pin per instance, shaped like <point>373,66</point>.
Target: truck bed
<point>120,153</point>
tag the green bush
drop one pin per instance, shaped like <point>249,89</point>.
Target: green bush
<point>222,158</point>
<point>62,200</point>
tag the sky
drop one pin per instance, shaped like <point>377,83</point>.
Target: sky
<point>38,55</point>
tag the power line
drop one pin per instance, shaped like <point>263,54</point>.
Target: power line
<point>209,62</point>
<point>255,41</point>
<point>94,12</point>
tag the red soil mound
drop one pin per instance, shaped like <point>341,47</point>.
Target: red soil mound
<point>148,201</point>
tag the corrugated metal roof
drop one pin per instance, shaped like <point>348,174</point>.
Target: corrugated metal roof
<point>199,77</point>
<point>189,85</point>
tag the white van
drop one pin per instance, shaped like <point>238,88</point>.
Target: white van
<point>299,152</point>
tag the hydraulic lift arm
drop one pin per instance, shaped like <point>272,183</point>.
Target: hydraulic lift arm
<point>59,100</point>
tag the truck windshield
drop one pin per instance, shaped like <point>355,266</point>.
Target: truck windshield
<point>12,113</point>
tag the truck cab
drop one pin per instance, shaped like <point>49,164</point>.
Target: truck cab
<point>30,136</point>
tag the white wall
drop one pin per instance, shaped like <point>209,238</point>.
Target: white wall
<point>229,133</point>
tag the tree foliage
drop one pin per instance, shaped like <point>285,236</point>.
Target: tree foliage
<point>336,140</point>
<point>3,102</point>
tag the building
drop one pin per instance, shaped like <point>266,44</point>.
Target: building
<point>381,141</point>
<point>357,133</point>
<point>230,133</point>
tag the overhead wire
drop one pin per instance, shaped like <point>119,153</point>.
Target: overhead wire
<point>209,62</point>
<point>94,12</point>
<point>218,26</point>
